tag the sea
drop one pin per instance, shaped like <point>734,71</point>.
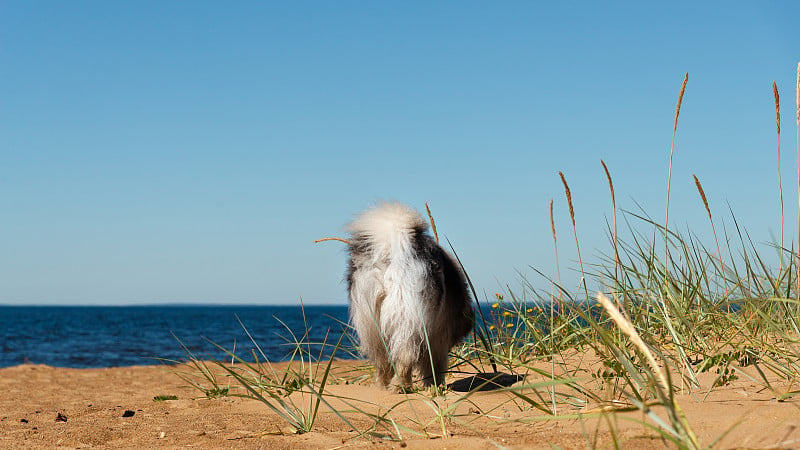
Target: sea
<point>113,336</point>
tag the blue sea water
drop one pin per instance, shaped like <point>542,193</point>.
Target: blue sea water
<point>111,336</point>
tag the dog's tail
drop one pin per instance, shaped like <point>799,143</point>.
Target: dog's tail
<point>388,228</point>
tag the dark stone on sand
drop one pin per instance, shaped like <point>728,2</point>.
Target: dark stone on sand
<point>61,418</point>
<point>128,413</point>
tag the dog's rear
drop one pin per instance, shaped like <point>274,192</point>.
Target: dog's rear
<point>409,301</point>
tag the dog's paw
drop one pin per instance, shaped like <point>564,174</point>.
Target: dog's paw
<point>401,389</point>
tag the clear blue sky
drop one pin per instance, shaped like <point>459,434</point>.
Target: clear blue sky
<point>192,151</point>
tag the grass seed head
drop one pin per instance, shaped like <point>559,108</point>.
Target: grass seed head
<point>569,197</point>
<point>777,106</point>
<point>680,100</point>
<point>433,223</point>
<point>702,195</point>
<point>610,184</point>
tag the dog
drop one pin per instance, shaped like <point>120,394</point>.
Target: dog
<point>409,301</point>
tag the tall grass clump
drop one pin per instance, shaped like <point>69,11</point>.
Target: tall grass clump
<point>681,309</point>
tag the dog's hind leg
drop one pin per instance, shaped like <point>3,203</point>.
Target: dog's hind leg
<point>404,357</point>
<point>403,381</point>
<point>433,365</point>
<point>383,370</point>
<point>379,355</point>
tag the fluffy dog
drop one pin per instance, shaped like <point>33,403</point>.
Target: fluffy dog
<point>409,301</point>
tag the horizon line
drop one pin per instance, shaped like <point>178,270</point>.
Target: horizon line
<point>169,304</point>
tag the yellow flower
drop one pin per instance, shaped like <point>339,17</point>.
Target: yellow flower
<point>491,327</point>
<point>495,305</point>
<point>509,325</point>
<point>507,313</point>
<point>529,310</point>
<point>499,296</point>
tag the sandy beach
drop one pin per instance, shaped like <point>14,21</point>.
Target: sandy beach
<point>47,407</point>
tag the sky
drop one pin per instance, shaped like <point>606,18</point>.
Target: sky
<point>191,152</point>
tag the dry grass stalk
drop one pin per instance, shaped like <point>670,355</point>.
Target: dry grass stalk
<point>797,143</point>
<point>552,222</point>
<point>558,271</point>
<point>780,183</point>
<point>713,230</point>
<point>669,173</point>
<point>555,247</point>
<point>614,212</point>
<point>629,330</point>
<point>560,298</point>
<point>574,230</point>
<point>613,201</point>
<point>433,223</point>
<point>332,239</point>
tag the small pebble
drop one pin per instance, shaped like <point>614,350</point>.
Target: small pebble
<point>128,413</point>
<point>61,418</point>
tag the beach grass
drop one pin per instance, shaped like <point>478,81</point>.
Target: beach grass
<point>643,325</point>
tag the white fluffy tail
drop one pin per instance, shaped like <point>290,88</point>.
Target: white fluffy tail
<point>386,224</point>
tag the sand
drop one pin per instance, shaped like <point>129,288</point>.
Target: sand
<point>47,407</point>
